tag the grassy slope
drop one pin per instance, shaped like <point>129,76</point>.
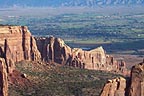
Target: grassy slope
<point>48,80</point>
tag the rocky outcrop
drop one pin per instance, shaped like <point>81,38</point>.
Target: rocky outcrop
<point>55,50</point>
<point>137,80</point>
<point>123,87</point>
<point>114,87</point>
<point>16,44</point>
<point>3,78</point>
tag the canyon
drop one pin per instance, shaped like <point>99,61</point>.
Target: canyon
<point>123,87</point>
<point>17,44</point>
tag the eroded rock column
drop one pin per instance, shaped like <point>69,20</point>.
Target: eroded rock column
<point>3,78</point>
<point>137,79</point>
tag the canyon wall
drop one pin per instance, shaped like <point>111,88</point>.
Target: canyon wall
<point>137,80</point>
<point>16,44</point>
<point>130,87</point>
<point>3,78</point>
<point>114,87</point>
<point>55,50</point>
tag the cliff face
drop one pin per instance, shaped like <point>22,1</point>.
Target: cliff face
<point>114,87</point>
<point>3,78</point>
<point>120,87</point>
<point>16,44</point>
<point>55,50</point>
<point>137,80</point>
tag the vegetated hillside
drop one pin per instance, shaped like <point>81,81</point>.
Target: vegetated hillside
<point>54,80</point>
<point>55,3</point>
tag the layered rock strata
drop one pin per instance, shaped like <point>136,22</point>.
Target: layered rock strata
<point>137,80</point>
<point>55,50</point>
<point>123,87</point>
<point>16,44</point>
<point>114,87</point>
<point>3,78</point>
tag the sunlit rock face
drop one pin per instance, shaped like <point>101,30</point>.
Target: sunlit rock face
<point>16,44</point>
<point>18,40</point>
<point>115,87</point>
<point>130,87</point>
<point>137,80</point>
<point>3,78</point>
<point>55,50</point>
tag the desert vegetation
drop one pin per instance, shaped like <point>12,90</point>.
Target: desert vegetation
<point>51,80</point>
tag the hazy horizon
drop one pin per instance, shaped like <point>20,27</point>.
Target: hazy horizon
<point>68,3</point>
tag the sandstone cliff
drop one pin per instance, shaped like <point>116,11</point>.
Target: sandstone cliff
<point>3,78</point>
<point>137,80</point>
<point>123,87</point>
<point>16,44</point>
<point>55,50</point>
<point>114,87</point>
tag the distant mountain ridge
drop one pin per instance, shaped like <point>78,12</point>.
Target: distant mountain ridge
<point>69,3</point>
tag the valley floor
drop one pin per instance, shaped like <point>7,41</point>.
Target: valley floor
<point>53,80</point>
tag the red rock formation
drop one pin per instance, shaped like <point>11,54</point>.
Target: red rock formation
<point>55,50</point>
<point>16,44</point>
<point>137,80</point>
<point>119,87</point>
<point>115,87</point>
<point>3,78</point>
